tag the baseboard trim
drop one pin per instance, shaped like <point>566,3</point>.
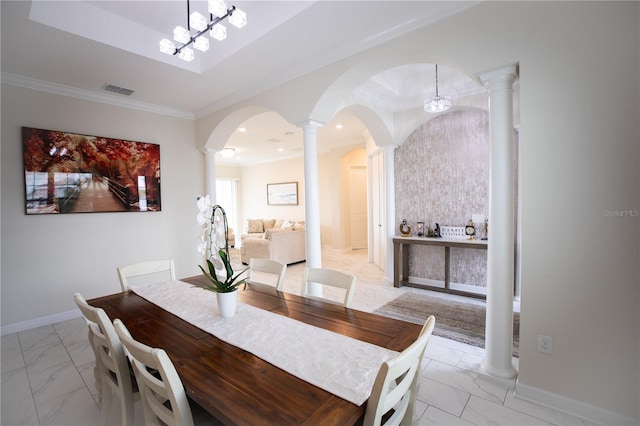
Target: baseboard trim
<point>571,406</point>
<point>39,322</point>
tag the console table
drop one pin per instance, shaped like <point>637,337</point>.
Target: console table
<point>401,260</point>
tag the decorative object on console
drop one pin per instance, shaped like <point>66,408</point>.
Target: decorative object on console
<point>217,13</point>
<point>405,229</point>
<point>470,230</point>
<point>486,229</point>
<point>436,233</point>
<point>420,229</point>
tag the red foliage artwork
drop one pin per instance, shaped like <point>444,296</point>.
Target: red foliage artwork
<point>71,173</point>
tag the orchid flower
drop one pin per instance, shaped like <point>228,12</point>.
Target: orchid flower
<point>214,247</point>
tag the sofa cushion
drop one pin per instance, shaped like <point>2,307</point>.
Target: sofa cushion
<point>278,223</point>
<point>255,226</point>
<point>298,225</point>
<point>269,223</point>
<point>269,232</point>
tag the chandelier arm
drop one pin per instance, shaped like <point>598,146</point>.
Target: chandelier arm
<point>211,24</point>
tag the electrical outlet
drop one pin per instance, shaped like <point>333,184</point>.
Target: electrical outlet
<point>545,344</point>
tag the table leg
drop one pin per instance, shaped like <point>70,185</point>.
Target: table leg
<point>405,262</point>
<point>446,267</point>
<point>396,264</point>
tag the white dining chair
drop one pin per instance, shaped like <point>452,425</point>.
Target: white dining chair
<point>145,268</point>
<point>111,372</point>
<point>330,278</point>
<point>394,391</point>
<point>161,390</point>
<point>272,268</point>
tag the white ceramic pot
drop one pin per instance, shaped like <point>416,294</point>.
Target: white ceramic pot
<point>227,303</point>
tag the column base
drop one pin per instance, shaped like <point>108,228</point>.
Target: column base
<point>508,373</point>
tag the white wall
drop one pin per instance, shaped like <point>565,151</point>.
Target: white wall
<point>47,258</point>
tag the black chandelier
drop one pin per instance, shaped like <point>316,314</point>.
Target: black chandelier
<point>218,12</point>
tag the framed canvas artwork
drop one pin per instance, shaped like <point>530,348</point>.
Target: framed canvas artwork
<point>282,194</point>
<point>71,173</point>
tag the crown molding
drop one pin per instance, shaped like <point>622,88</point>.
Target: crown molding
<point>88,95</point>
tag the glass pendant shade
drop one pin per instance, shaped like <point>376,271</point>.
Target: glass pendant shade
<point>199,24</point>
<point>437,103</point>
<point>187,54</point>
<point>197,21</point>
<point>217,8</point>
<point>167,46</point>
<point>238,18</point>
<point>201,43</point>
<point>219,32</point>
<point>181,34</point>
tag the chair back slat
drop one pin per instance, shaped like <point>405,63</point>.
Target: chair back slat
<point>145,268</point>
<point>331,278</point>
<point>112,369</point>
<point>267,266</point>
<point>396,384</point>
<point>156,389</point>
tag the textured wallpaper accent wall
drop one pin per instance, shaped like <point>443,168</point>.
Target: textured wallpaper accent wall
<point>442,175</point>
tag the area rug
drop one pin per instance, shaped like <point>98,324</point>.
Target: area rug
<point>459,321</point>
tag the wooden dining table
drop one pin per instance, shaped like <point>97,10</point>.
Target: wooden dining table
<point>239,388</point>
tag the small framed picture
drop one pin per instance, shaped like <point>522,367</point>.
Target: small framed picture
<point>282,194</point>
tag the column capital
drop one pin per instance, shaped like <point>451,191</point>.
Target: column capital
<point>305,124</point>
<point>507,71</point>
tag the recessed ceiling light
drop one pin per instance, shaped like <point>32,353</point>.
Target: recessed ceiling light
<point>289,133</point>
<point>339,126</point>
<point>242,129</point>
<point>227,152</point>
<point>274,140</point>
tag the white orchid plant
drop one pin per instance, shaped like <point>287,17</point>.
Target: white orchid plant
<point>214,247</point>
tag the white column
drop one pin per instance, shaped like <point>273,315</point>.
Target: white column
<point>210,174</point>
<point>390,208</point>
<point>312,199</point>
<point>500,257</point>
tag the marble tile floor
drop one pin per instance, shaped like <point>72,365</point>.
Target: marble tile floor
<point>47,372</point>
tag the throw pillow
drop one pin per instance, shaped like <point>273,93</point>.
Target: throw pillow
<point>268,224</point>
<point>269,232</point>
<point>298,225</point>
<point>254,226</point>
<point>278,223</point>
<point>287,224</point>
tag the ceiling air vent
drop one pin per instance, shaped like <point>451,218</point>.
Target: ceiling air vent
<point>117,89</point>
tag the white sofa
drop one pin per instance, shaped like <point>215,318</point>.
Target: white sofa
<point>279,240</point>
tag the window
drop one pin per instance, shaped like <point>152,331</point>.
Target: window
<point>227,197</point>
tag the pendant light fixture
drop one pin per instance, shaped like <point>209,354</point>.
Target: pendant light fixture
<point>437,103</point>
<point>217,12</point>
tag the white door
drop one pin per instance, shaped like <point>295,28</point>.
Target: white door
<point>358,206</point>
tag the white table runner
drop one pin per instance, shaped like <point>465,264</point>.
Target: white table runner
<point>341,365</point>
